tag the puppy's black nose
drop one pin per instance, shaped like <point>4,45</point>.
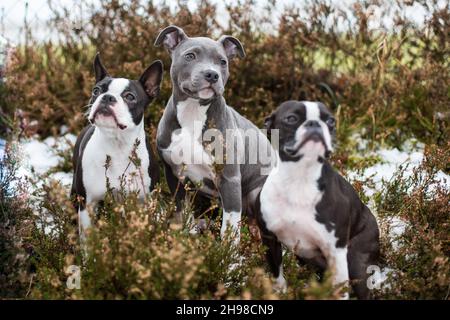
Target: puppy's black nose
<point>211,76</point>
<point>312,124</point>
<point>107,98</point>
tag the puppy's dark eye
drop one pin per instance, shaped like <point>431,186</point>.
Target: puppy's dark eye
<point>130,97</point>
<point>292,119</point>
<point>96,91</point>
<point>331,122</point>
<point>223,62</point>
<point>189,56</point>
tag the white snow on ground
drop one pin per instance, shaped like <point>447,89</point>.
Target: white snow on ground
<point>38,157</point>
<point>391,161</point>
<point>409,158</point>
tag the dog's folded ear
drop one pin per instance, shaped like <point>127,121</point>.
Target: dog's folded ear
<point>170,37</point>
<point>151,78</point>
<point>232,46</point>
<point>99,69</point>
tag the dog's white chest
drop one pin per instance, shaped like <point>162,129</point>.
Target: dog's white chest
<point>186,153</point>
<point>120,171</point>
<point>289,211</point>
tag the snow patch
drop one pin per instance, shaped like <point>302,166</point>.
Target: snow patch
<point>397,228</point>
<point>38,157</point>
<point>392,160</point>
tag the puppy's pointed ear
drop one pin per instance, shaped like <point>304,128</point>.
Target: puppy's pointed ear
<point>151,78</point>
<point>232,46</point>
<point>170,37</point>
<point>99,69</point>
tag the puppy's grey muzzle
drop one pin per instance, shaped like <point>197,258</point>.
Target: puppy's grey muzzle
<point>211,76</point>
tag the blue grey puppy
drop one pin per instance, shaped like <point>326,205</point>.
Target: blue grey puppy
<point>199,72</point>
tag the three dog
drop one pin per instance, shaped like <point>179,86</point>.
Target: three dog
<point>296,196</point>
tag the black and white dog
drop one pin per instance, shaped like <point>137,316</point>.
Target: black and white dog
<point>199,72</point>
<point>307,206</point>
<point>103,149</point>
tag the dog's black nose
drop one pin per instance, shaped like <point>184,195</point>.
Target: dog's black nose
<point>312,124</point>
<point>211,76</point>
<point>107,98</point>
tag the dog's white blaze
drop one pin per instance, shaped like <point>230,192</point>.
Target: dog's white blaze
<point>291,216</point>
<point>119,148</point>
<point>118,85</point>
<point>312,110</point>
<point>186,153</point>
<point>232,219</point>
<point>313,113</point>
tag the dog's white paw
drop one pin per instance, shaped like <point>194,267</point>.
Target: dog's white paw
<point>280,284</point>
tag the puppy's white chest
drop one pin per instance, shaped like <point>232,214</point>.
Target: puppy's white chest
<point>289,211</point>
<point>120,171</point>
<point>186,153</point>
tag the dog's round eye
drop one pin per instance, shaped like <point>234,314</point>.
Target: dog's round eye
<point>223,62</point>
<point>130,97</point>
<point>96,91</point>
<point>292,119</point>
<point>189,56</point>
<point>331,122</point>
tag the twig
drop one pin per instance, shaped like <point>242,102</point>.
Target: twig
<point>29,286</point>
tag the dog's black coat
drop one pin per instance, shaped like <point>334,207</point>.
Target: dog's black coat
<point>340,208</point>
<point>144,91</point>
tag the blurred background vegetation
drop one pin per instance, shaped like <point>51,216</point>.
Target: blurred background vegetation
<point>392,81</point>
<point>387,83</point>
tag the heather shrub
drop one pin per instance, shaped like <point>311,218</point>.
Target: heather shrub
<point>14,226</point>
<point>389,82</point>
<point>134,253</point>
<point>419,256</point>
